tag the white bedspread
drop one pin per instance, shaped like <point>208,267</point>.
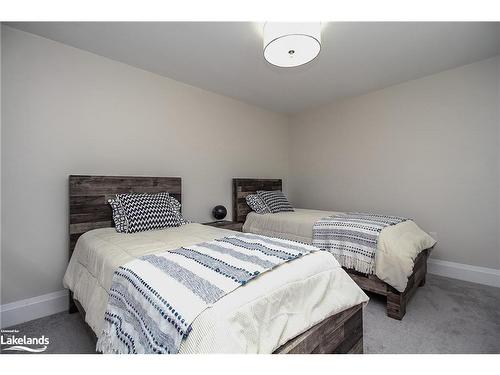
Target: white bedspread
<point>256,318</point>
<point>398,245</point>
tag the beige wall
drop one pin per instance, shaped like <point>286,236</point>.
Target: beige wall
<point>66,111</point>
<point>428,149</point>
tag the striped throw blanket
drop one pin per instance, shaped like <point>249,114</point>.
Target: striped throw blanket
<point>352,237</point>
<point>154,299</point>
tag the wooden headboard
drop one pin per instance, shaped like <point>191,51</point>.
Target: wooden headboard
<point>88,199</point>
<point>245,186</point>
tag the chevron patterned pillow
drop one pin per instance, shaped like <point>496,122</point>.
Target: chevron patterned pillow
<point>145,211</point>
<point>275,200</point>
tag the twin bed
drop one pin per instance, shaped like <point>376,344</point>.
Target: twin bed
<point>308,305</point>
<point>401,257</point>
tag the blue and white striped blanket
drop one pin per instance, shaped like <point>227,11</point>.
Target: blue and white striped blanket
<point>352,237</point>
<point>154,299</point>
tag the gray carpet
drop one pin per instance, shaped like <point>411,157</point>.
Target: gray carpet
<point>445,316</point>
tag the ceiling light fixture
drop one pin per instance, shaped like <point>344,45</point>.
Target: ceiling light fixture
<point>291,44</point>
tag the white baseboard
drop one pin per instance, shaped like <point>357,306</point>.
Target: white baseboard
<point>474,274</point>
<point>33,308</point>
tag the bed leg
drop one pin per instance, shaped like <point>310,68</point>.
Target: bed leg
<point>396,305</point>
<point>72,305</point>
<point>422,282</point>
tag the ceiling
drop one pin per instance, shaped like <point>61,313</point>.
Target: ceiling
<point>226,57</point>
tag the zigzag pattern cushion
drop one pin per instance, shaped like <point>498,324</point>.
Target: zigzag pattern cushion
<point>275,200</point>
<point>257,204</point>
<point>148,211</point>
<point>119,217</point>
<point>176,207</point>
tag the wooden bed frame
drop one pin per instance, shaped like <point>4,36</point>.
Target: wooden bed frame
<point>396,301</point>
<point>89,209</point>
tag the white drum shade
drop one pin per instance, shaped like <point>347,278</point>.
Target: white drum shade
<point>291,44</point>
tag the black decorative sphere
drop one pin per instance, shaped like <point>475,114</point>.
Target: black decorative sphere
<point>219,212</point>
